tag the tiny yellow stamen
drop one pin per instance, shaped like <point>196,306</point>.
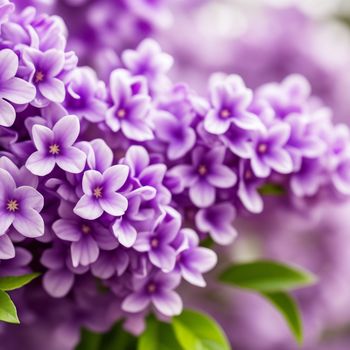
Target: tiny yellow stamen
<point>97,192</point>
<point>202,170</point>
<point>39,76</point>
<point>121,113</point>
<point>12,205</point>
<point>262,148</point>
<point>54,149</point>
<point>86,229</point>
<point>225,113</point>
<point>151,288</point>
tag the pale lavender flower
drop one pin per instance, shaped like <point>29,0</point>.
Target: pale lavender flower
<point>230,100</point>
<point>206,173</point>
<point>20,207</point>
<point>158,290</point>
<point>129,112</point>
<point>217,221</point>
<point>45,67</point>
<point>100,193</point>
<point>192,261</point>
<point>177,134</point>
<point>270,153</point>
<point>341,176</point>
<point>12,89</point>
<point>56,147</point>
<point>148,60</point>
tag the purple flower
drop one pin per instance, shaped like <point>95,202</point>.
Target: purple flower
<point>157,243</point>
<point>85,95</point>
<point>110,263</point>
<point>248,188</point>
<point>270,153</point>
<point>45,67</point>
<point>148,60</point>
<point>12,89</point>
<point>341,176</point>
<point>100,193</point>
<point>206,173</point>
<point>230,100</point>
<point>20,207</point>
<point>217,221</point>
<point>86,237</point>
<point>192,261</point>
<point>158,290</point>
<point>56,147</point>
<point>177,134</point>
<point>129,111</point>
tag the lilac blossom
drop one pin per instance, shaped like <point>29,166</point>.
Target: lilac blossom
<point>20,207</point>
<point>177,134</point>
<point>55,146</point>
<point>45,67</point>
<point>206,173</point>
<point>270,153</point>
<point>217,221</point>
<point>192,261</point>
<point>100,193</point>
<point>158,290</point>
<point>230,100</point>
<point>129,111</point>
<point>87,237</point>
<point>12,88</point>
<point>157,243</point>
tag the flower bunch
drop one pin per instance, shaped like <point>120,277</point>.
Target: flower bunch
<point>119,182</point>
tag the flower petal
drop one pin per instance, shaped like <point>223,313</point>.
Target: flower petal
<point>67,130</point>
<point>136,302</point>
<point>7,113</point>
<point>168,303</point>
<point>18,91</point>
<point>53,89</point>
<point>72,160</point>
<point>88,208</point>
<point>7,249</point>
<point>39,164</point>
<point>114,204</point>
<point>58,282</point>
<point>8,64</point>
<point>202,194</point>
<point>85,251</point>
<point>114,177</point>
<point>29,223</point>
<point>125,232</point>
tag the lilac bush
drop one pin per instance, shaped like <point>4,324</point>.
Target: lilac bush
<point>113,186</point>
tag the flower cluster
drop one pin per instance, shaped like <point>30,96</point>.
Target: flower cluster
<point>120,182</point>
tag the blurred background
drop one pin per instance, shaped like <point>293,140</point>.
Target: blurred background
<point>263,41</point>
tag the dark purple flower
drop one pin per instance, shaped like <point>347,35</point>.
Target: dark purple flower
<point>157,243</point>
<point>45,67</point>
<point>129,112</point>
<point>85,95</point>
<point>56,147</point>
<point>86,237</point>
<point>12,89</point>
<point>20,207</point>
<point>270,153</point>
<point>230,99</point>
<point>206,173</point>
<point>158,290</point>
<point>100,193</point>
<point>217,220</point>
<point>192,261</point>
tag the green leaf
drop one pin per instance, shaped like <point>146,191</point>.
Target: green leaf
<point>8,312</point>
<point>118,339</point>
<point>267,276</point>
<point>197,331</point>
<point>89,340</point>
<point>158,336</point>
<point>290,311</point>
<point>272,189</point>
<point>15,282</point>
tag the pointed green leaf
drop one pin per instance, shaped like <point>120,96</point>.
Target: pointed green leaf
<point>267,276</point>
<point>8,312</point>
<point>197,331</point>
<point>158,336</point>
<point>15,282</point>
<point>290,311</point>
